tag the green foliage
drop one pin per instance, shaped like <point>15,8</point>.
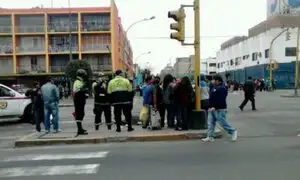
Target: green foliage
<point>74,65</point>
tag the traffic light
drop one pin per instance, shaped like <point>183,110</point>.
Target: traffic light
<point>288,36</point>
<point>179,26</point>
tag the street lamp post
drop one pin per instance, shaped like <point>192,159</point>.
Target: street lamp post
<point>137,58</point>
<point>137,22</point>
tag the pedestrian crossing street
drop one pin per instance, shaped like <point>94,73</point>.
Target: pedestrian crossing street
<point>32,165</point>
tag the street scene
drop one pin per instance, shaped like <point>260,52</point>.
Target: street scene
<point>267,144</point>
<point>119,89</point>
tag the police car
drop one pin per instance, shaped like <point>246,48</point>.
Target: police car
<point>14,105</point>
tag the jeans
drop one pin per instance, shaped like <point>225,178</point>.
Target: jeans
<point>220,116</point>
<point>181,116</point>
<point>51,108</point>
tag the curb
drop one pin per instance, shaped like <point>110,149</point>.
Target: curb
<point>289,96</point>
<point>96,140</point>
<point>65,105</point>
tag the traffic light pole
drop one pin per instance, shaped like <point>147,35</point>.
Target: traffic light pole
<point>297,64</point>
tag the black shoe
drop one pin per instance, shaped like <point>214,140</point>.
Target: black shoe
<point>118,130</point>
<point>82,132</point>
<point>97,127</point>
<point>254,109</point>
<point>130,129</point>
<point>109,127</point>
<point>241,108</point>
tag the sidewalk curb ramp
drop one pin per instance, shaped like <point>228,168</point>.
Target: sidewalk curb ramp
<point>29,141</point>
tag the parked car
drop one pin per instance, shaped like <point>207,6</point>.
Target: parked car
<point>14,104</point>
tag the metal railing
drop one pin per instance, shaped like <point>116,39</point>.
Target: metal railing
<point>30,29</point>
<point>5,29</point>
<point>98,68</point>
<point>30,49</point>
<point>57,69</point>
<point>6,49</point>
<point>28,69</point>
<point>62,28</point>
<point>96,47</point>
<point>95,27</point>
<point>63,48</point>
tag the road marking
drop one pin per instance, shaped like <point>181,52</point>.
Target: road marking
<point>87,155</point>
<point>49,170</point>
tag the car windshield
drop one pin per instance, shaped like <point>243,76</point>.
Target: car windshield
<point>20,88</point>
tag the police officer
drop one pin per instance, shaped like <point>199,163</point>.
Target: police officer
<point>120,91</point>
<point>80,93</point>
<point>102,103</point>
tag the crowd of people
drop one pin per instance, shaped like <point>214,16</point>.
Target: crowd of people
<point>168,101</point>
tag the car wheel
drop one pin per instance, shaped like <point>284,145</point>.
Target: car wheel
<point>28,116</point>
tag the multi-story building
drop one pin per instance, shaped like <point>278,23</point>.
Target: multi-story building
<point>38,41</point>
<point>209,66</point>
<point>183,65</point>
<point>167,70</point>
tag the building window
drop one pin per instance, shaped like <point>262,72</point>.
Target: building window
<point>212,64</point>
<point>218,65</point>
<point>267,53</point>
<point>245,57</point>
<point>254,56</point>
<point>231,62</point>
<point>290,51</point>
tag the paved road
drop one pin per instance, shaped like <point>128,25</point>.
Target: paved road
<point>266,149</point>
<point>250,158</point>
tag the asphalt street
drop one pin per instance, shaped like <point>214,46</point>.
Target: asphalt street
<point>267,148</point>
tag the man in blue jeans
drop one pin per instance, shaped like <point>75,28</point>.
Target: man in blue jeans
<point>217,111</point>
<point>50,94</point>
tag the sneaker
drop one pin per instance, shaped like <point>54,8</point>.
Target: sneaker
<point>234,136</point>
<point>47,131</point>
<point>57,131</point>
<point>208,139</point>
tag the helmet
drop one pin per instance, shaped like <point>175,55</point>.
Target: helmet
<point>81,73</point>
<point>101,74</point>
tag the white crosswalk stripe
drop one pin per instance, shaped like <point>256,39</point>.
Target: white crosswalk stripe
<point>50,170</point>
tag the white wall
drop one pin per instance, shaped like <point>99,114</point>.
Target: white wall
<point>255,45</point>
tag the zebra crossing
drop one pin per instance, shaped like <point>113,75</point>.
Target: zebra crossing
<point>11,167</point>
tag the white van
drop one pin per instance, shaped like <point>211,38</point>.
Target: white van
<point>14,105</point>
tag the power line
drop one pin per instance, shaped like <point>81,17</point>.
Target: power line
<point>187,37</point>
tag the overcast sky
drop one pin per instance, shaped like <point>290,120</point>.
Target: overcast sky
<point>220,20</point>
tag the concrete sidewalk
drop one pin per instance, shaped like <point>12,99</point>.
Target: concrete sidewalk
<point>105,136</point>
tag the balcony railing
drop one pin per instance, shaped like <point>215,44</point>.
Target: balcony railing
<point>30,29</point>
<point>62,28</point>
<point>6,29</point>
<point>95,27</point>
<point>6,49</point>
<point>57,69</point>
<point>30,49</point>
<point>65,48</point>
<point>98,68</point>
<point>96,47</point>
<point>29,69</point>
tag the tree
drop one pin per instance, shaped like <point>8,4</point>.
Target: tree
<point>74,65</point>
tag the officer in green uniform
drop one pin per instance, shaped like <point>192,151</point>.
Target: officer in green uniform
<point>80,94</point>
<point>120,91</point>
<point>102,101</point>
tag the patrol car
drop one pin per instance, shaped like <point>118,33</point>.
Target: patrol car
<point>14,105</point>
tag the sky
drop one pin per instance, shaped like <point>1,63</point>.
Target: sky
<point>220,20</point>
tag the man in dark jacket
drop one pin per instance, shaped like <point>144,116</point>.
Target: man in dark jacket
<point>217,111</point>
<point>35,95</point>
<point>249,90</point>
<point>102,102</point>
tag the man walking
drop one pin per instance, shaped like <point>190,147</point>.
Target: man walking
<point>102,102</point>
<point>217,111</point>
<point>120,91</point>
<point>249,90</point>
<point>50,93</point>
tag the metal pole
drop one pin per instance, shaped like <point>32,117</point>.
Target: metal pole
<point>197,53</point>
<point>297,64</point>
<point>70,30</point>
<point>271,57</point>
